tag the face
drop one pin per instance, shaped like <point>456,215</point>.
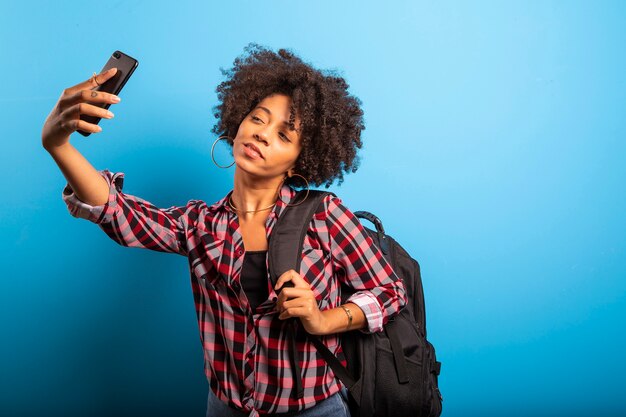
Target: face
<point>265,146</point>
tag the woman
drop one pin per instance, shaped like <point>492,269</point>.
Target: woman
<point>289,125</point>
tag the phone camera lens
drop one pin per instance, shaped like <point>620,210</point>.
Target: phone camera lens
<point>116,55</point>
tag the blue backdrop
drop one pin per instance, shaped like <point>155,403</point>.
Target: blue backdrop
<point>494,151</point>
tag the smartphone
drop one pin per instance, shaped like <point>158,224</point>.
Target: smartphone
<point>125,67</point>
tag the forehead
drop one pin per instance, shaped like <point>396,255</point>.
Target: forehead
<point>276,106</point>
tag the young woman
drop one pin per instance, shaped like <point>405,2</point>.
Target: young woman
<point>289,126</point>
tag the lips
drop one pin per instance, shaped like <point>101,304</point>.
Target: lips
<point>254,148</point>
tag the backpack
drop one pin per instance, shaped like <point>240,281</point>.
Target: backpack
<point>390,373</point>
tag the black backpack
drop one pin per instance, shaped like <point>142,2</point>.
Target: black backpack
<point>390,373</point>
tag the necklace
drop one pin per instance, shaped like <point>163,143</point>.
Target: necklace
<point>230,203</point>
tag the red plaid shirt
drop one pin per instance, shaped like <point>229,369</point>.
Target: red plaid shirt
<point>246,352</point>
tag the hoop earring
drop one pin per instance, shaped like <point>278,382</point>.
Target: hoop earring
<point>307,190</point>
<point>213,148</point>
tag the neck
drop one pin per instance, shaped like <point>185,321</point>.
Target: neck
<point>254,193</point>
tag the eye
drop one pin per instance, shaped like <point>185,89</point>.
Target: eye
<point>256,118</point>
<point>284,137</point>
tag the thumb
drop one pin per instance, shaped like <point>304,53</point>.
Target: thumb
<point>285,280</point>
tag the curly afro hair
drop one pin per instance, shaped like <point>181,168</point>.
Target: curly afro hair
<point>331,119</point>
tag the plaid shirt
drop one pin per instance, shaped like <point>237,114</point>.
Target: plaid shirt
<point>246,352</point>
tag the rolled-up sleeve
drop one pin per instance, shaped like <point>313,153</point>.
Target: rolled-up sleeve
<point>134,222</point>
<point>360,264</point>
<point>96,214</point>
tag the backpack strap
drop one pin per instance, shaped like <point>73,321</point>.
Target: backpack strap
<point>340,371</point>
<point>285,243</point>
<point>285,253</point>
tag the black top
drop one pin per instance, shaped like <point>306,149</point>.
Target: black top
<point>254,277</point>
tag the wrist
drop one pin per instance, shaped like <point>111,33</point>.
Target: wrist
<point>325,322</point>
<point>348,312</point>
<point>52,149</point>
<point>337,320</point>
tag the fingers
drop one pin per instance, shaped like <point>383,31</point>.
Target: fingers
<point>300,307</point>
<point>82,93</point>
<point>302,302</point>
<point>295,312</point>
<point>292,276</point>
<point>296,301</point>
<point>89,109</point>
<point>70,118</point>
<point>89,96</point>
<point>288,293</point>
<point>291,298</point>
<point>92,82</point>
<point>85,126</point>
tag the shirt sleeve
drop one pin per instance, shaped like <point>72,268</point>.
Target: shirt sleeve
<point>134,222</point>
<point>360,264</point>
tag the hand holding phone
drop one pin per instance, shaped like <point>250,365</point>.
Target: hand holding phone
<point>125,67</point>
<point>81,106</point>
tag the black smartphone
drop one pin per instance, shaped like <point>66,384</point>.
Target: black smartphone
<point>125,67</point>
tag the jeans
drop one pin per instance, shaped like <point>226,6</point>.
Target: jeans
<point>336,406</point>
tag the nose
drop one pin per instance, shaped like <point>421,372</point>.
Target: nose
<point>261,135</point>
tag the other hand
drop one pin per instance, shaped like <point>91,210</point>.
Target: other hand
<point>299,301</point>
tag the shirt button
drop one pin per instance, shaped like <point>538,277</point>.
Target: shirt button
<point>239,252</point>
<point>236,286</point>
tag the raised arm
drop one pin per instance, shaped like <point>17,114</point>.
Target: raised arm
<point>87,183</point>
<point>97,195</point>
<point>63,120</point>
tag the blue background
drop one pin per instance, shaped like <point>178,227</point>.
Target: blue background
<point>494,152</point>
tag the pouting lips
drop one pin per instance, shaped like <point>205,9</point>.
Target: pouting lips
<point>254,148</point>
